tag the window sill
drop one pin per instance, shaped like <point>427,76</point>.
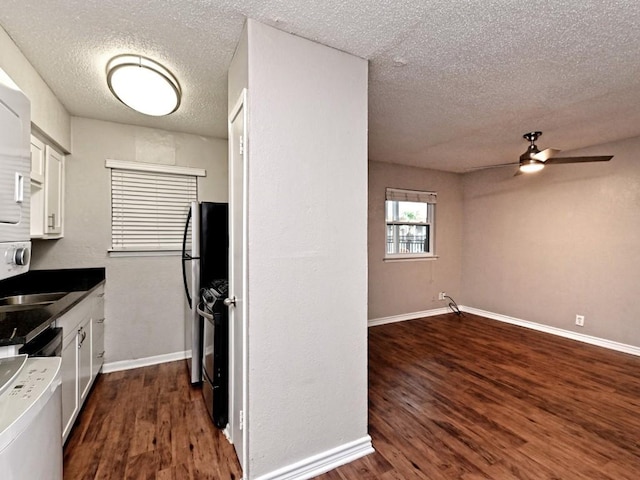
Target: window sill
<point>410,259</point>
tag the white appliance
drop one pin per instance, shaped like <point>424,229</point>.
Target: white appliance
<point>15,188</point>
<point>30,418</point>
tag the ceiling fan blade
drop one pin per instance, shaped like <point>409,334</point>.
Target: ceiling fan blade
<point>511,164</point>
<point>546,154</point>
<point>558,161</point>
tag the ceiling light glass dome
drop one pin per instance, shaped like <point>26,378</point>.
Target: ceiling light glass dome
<point>143,85</point>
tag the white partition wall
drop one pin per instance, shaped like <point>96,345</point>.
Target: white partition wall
<point>306,385</point>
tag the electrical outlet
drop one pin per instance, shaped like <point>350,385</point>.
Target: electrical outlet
<point>441,295</point>
<point>580,320</point>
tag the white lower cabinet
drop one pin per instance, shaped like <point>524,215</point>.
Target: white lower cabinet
<point>84,359</point>
<point>69,373</point>
<point>82,354</point>
<point>97,335</point>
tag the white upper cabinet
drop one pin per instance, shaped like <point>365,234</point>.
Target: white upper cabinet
<point>37,160</point>
<point>54,192</point>
<point>47,190</point>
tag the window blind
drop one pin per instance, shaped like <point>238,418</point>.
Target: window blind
<point>410,196</point>
<point>149,210</point>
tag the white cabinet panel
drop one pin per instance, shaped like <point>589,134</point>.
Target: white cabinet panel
<point>69,371</point>
<point>37,160</point>
<point>47,190</point>
<point>97,334</point>
<point>82,354</point>
<point>54,191</point>
<point>84,358</point>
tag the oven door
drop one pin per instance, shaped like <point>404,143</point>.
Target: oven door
<point>214,368</point>
<point>208,345</point>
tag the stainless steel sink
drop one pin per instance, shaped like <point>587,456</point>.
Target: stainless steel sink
<point>18,308</point>
<point>32,300</point>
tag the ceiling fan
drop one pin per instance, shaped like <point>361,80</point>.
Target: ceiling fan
<point>534,160</point>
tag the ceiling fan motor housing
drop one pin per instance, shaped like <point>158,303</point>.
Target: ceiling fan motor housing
<point>532,150</point>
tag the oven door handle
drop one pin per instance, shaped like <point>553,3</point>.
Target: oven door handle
<point>204,314</point>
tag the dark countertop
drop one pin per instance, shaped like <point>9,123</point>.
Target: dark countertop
<point>19,327</point>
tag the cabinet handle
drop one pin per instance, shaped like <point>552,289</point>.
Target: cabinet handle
<point>52,217</point>
<point>19,190</point>
<point>83,336</point>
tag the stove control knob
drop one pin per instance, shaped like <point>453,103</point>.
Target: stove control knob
<point>21,256</point>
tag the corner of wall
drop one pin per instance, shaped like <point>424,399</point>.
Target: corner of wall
<point>48,115</point>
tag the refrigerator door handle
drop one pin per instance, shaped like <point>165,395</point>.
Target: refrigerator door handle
<point>186,258</point>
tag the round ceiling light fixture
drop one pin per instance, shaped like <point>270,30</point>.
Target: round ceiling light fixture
<point>143,85</point>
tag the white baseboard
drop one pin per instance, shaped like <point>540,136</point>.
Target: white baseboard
<point>144,362</point>
<point>407,316</point>
<point>323,462</point>
<point>600,342</point>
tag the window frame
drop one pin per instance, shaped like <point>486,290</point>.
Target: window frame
<point>398,195</point>
<point>184,177</point>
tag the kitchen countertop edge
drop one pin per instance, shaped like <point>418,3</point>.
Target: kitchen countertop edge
<point>90,279</point>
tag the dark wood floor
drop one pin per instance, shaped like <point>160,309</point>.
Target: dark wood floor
<point>147,423</point>
<point>449,398</point>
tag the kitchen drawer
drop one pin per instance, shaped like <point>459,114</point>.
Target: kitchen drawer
<point>70,321</point>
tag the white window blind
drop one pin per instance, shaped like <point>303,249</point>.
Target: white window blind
<point>410,196</point>
<point>149,210</point>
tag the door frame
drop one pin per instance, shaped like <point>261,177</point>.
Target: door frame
<point>240,107</point>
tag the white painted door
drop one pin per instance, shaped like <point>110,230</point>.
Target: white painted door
<point>237,279</point>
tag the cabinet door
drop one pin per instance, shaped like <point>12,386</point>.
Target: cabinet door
<point>97,335</point>
<point>84,360</point>
<point>69,372</point>
<point>54,185</point>
<point>37,160</point>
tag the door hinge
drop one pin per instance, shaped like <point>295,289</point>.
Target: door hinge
<point>241,146</point>
<point>241,420</point>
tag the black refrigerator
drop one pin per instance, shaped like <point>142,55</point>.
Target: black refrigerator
<point>205,259</point>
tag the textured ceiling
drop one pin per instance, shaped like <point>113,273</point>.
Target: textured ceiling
<point>453,84</point>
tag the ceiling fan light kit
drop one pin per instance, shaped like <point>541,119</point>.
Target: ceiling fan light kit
<point>531,166</point>
<point>143,85</point>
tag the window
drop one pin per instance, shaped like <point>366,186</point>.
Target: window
<point>149,205</point>
<point>409,217</point>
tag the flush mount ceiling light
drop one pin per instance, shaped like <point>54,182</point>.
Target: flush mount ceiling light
<point>144,85</point>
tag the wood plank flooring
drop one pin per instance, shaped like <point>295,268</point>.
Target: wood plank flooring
<point>148,423</point>
<point>449,398</point>
<point>470,398</point>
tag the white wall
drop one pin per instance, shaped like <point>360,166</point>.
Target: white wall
<point>144,295</point>
<point>307,264</point>
<point>47,113</point>
<point>407,287</point>
<point>547,246</point>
